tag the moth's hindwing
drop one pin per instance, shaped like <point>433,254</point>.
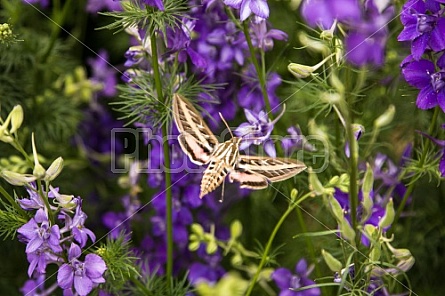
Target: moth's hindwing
<point>273,169</point>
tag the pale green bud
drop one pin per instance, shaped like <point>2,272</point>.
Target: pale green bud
<point>211,247</point>
<point>371,231</point>
<point>312,44</point>
<point>17,179</point>
<point>399,253</point>
<point>338,51</point>
<point>314,183</point>
<point>236,229</point>
<point>386,118</point>
<point>54,169</point>
<point>346,231</point>
<point>333,264</point>
<point>300,71</point>
<point>368,183</point>
<point>329,34</point>
<point>197,228</point>
<point>337,84</point>
<point>194,246</point>
<point>336,208</point>
<point>375,253</point>
<point>331,98</point>
<point>294,194</point>
<point>39,170</point>
<point>388,218</point>
<point>16,118</point>
<point>236,260</point>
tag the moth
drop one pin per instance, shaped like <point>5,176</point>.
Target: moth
<point>203,148</point>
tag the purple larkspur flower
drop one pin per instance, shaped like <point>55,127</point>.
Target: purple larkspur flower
<point>84,275</point>
<point>94,6</point>
<point>423,75</point>
<point>247,7</point>
<point>263,38</point>
<point>257,131</point>
<point>286,280</point>
<point>323,13</point>
<point>155,3</point>
<point>208,269</point>
<point>250,95</point>
<point>43,235</point>
<point>103,74</point>
<point>295,140</point>
<point>35,286</point>
<point>423,26</point>
<point>34,202</point>
<point>76,225</point>
<point>366,41</point>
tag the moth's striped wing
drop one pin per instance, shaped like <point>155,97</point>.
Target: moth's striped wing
<point>256,171</point>
<point>196,139</point>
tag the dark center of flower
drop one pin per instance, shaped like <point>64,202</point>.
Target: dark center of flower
<point>79,267</point>
<point>44,232</point>
<point>425,23</point>
<point>438,81</point>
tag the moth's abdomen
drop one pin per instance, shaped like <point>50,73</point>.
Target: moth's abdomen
<point>213,177</point>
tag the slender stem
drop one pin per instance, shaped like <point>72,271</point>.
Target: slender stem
<point>422,159</point>
<point>166,150</point>
<point>46,202</point>
<point>265,256</point>
<point>261,74</point>
<point>12,201</point>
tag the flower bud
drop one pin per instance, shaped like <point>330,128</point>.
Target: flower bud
<point>194,245</point>
<point>16,118</point>
<point>17,179</point>
<point>197,228</point>
<point>331,98</point>
<point>336,208</point>
<point>329,34</point>
<point>399,253</point>
<point>313,44</point>
<point>346,231</point>
<point>338,51</point>
<point>236,260</point>
<point>300,71</point>
<point>39,170</point>
<point>375,253</point>
<point>315,184</point>
<point>388,218</point>
<point>211,247</point>
<point>333,264</point>
<point>368,183</point>
<point>293,194</point>
<point>337,84</point>
<point>236,229</point>
<point>386,118</point>
<point>54,169</point>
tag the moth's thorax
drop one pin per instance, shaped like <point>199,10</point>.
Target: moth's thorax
<point>227,152</point>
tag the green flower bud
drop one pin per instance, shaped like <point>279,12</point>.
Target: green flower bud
<point>346,231</point>
<point>388,218</point>
<point>197,228</point>
<point>336,208</point>
<point>368,183</point>
<point>375,253</point>
<point>17,179</point>
<point>300,71</point>
<point>294,194</point>
<point>194,246</point>
<point>331,98</point>
<point>314,183</point>
<point>236,229</point>
<point>399,253</point>
<point>39,170</point>
<point>211,247</point>
<point>54,169</point>
<point>338,51</point>
<point>313,45</point>
<point>236,260</point>
<point>386,118</point>
<point>333,264</point>
<point>337,84</point>
<point>16,118</point>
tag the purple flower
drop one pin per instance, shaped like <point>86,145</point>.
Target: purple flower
<point>155,3</point>
<point>295,140</point>
<point>34,202</point>
<point>424,26</point>
<point>103,74</point>
<point>178,40</point>
<point>84,275</point>
<point>423,75</point>
<point>262,38</point>
<point>257,130</point>
<point>94,6</point>
<point>286,280</point>
<point>323,13</point>
<point>77,227</point>
<point>43,3</point>
<point>42,235</point>
<point>247,7</point>
<point>35,286</point>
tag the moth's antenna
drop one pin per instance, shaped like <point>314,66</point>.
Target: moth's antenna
<point>225,122</point>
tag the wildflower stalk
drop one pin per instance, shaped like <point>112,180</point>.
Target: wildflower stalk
<point>166,150</point>
<point>12,202</point>
<point>265,256</point>
<point>422,159</point>
<point>46,201</point>
<point>260,71</point>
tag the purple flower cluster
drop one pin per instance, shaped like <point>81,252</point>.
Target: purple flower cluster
<point>59,244</point>
<point>287,281</point>
<point>366,25</point>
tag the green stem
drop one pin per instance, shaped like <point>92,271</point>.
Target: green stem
<point>166,150</point>
<point>422,159</point>
<point>46,201</point>
<point>261,74</point>
<point>265,256</point>
<point>12,202</point>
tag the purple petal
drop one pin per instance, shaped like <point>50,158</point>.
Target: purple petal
<point>427,98</point>
<point>197,60</point>
<point>408,33</point>
<point>34,244</point>
<point>233,3</point>
<point>245,10</point>
<point>437,38</point>
<point>282,277</point>
<point>301,267</point>
<point>94,266</point>
<point>260,8</point>
<point>418,73</point>
<point>74,252</point>
<point>442,166</point>
<point>277,34</point>
<point>65,276</point>
<point>441,99</point>
<point>29,229</point>
<point>83,285</point>
<point>269,148</point>
<point>419,45</point>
